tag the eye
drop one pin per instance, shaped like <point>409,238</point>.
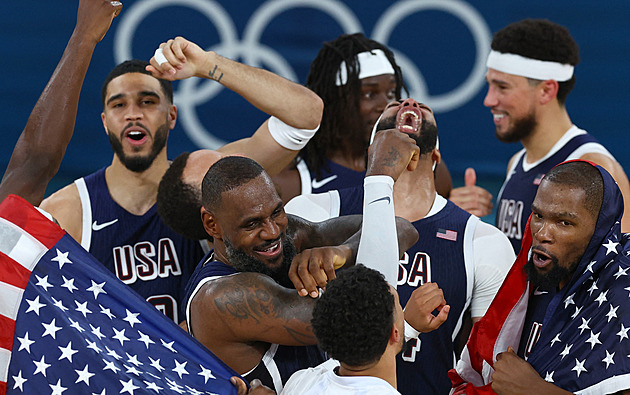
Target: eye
<point>391,95</point>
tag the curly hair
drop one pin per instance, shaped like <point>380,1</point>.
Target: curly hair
<point>179,203</point>
<point>341,120</point>
<point>135,66</point>
<point>543,40</point>
<point>354,317</point>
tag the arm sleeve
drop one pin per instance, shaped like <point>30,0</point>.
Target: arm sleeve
<point>378,246</point>
<point>493,257</point>
<point>314,207</point>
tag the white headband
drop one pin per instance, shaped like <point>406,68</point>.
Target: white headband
<point>371,63</point>
<point>530,68</point>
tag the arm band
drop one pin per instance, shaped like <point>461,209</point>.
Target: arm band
<point>289,137</point>
<point>378,247</point>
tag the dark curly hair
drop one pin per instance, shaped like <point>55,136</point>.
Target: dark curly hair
<point>543,40</point>
<point>134,66</point>
<point>354,317</point>
<point>341,121</point>
<point>179,203</point>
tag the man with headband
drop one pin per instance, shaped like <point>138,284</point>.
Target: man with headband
<point>560,321</point>
<point>113,212</point>
<point>530,73</point>
<point>355,77</point>
<point>467,258</point>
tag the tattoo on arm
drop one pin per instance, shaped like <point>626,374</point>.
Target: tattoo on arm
<point>214,74</point>
<point>253,298</point>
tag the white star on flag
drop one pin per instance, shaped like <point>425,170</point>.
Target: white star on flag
<point>61,258</point>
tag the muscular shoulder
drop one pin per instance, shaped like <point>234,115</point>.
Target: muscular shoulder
<point>65,206</point>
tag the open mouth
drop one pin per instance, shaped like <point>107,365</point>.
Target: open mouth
<point>541,259</point>
<point>271,250</point>
<point>408,120</point>
<point>135,135</point>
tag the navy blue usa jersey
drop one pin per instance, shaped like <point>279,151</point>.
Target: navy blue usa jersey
<point>279,362</point>
<point>519,190</point>
<point>443,255</point>
<point>141,251</point>
<point>333,176</point>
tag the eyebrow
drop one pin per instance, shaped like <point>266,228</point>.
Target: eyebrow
<point>561,214</point>
<point>260,217</point>
<point>141,94</point>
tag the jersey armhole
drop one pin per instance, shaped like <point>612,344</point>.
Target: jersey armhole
<point>86,206</point>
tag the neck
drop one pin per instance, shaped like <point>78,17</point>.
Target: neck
<point>384,368</point>
<point>348,158</point>
<point>553,122</point>
<point>414,191</point>
<point>135,192</point>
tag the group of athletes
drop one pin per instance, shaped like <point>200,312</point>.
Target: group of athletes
<point>341,188</point>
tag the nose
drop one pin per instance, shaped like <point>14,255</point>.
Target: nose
<point>544,232</point>
<point>271,230</point>
<point>133,113</point>
<point>409,103</point>
<point>491,98</point>
<point>382,100</point>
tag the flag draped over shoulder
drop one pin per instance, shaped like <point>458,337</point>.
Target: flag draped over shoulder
<point>69,326</point>
<point>584,344</point>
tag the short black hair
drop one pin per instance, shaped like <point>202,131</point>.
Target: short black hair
<point>540,39</point>
<point>226,174</point>
<point>179,203</point>
<point>582,175</point>
<point>340,120</point>
<point>354,317</point>
<point>134,66</point>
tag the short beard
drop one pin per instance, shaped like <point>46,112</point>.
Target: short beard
<point>138,164</point>
<point>426,138</point>
<point>551,280</point>
<point>243,262</point>
<point>521,129</point>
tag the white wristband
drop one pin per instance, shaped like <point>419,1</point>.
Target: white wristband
<point>288,136</point>
<point>411,332</point>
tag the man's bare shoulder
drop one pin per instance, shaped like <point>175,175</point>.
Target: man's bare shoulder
<point>65,206</point>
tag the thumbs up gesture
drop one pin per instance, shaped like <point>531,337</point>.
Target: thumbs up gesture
<point>471,197</point>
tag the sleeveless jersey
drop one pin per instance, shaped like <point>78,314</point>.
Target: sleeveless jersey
<point>334,176</point>
<point>519,189</point>
<point>279,362</point>
<point>141,251</point>
<point>443,255</point>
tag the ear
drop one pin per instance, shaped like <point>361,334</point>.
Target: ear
<point>436,156</point>
<point>104,124</point>
<point>210,224</point>
<point>172,117</point>
<point>395,336</point>
<point>548,90</point>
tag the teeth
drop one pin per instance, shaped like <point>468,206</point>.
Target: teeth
<point>498,116</point>
<point>413,114</point>
<point>135,133</point>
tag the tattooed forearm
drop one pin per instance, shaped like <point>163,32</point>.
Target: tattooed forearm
<point>215,74</point>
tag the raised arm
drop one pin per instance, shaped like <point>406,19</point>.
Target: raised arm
<point>42,144</point>
<point>298,108</point>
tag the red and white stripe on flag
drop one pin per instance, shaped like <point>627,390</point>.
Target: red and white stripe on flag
<point>25,236</point>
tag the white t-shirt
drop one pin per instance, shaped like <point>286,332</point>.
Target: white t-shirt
<point>322,380</point>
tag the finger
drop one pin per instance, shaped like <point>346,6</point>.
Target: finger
<point>178,49</point>
<point>255,383</point>
<point>295,278</point>
<point>511,350</point>
<point>336,264</point>
<point>309,283</point>
<point>470,177</point>
<point>316,268</point>
<point>241,387</point>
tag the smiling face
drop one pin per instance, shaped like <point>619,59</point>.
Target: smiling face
<point>512,102</point>
<point>137,118</point>
<point>561,227</point>
<point>249,228</point>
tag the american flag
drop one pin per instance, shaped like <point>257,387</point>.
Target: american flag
<point>446,234</point>
<point>584,344</point>
<point>68,326</point>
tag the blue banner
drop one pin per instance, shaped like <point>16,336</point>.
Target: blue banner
<point>440,44</point>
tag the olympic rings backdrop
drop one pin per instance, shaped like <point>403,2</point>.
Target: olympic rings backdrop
<point>440,44</point>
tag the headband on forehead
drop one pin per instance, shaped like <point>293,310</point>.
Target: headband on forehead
<point>371,63</point>
<point>530,68</point>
